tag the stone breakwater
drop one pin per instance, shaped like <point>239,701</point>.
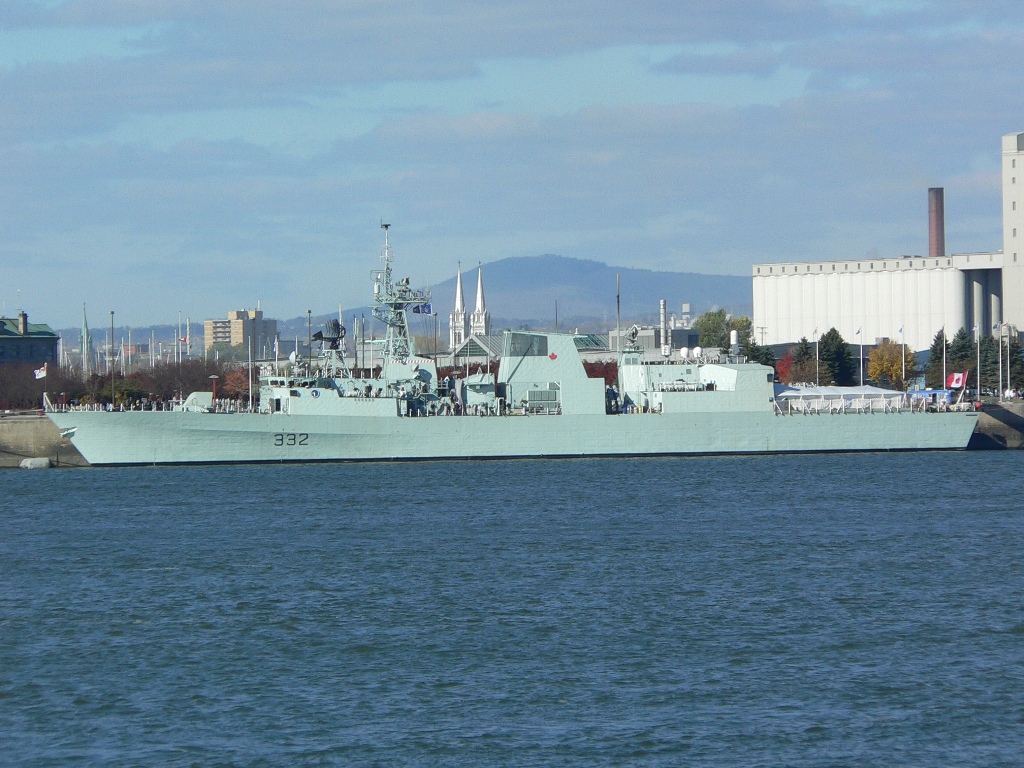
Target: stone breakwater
<point>29,436</point>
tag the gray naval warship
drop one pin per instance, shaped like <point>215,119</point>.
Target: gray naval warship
<point>540,404</point>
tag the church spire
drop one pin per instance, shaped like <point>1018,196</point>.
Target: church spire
<point>480,322</point>
<point>480,288</point>
<point>458,325</point>
<point>460,304</point>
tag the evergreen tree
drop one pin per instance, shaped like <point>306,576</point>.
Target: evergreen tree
<point>990,364</point>
<point>836,360</point>
<point>1016,366</point>
<point>803,351</point>
<point>962,353</point>
<point>804,367</point>
<point>755,352</point>
<point>938,356</point>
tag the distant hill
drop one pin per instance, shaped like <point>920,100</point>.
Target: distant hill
<point>526,288</point>
<point>522,291</point>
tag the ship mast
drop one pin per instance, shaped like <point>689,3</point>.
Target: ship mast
<point>393,302</point>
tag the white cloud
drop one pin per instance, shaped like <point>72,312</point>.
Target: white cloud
<point>248,150</point>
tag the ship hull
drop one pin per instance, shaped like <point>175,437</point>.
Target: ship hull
<point>145,437</point>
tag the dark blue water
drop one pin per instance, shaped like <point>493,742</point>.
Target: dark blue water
<point>803,611</point>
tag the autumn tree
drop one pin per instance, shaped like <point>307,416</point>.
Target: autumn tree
<point>804,369</point>
<point>235,382</point>
<point>607,370</point>
<point>887,363</point>
<point>783,367</point>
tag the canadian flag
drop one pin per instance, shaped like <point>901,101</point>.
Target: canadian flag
<point>40,372</point>
<point>956,380</point>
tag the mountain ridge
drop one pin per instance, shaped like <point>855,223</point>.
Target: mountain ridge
<point>522,291</point>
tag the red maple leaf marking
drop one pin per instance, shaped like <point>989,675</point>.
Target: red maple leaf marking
<point>553,356</point>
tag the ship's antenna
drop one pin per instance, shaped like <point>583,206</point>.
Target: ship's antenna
<point>618,332</point>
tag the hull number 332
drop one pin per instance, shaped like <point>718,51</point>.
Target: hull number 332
<point>291,438</point>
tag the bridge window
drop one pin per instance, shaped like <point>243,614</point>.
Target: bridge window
<point>528,345</point>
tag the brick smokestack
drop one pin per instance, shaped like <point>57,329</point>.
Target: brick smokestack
<point>936,223</point>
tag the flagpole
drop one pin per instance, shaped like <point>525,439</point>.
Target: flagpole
<point>1009,357</point>
<point>943,356</point>
<point>1000,327</point>
<point>250,375</point>
<point>903,347</point>
<point>861,357</point>
<point>817,368</point>
<point>111,362</point>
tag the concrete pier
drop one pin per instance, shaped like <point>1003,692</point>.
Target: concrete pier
<point>30,436</point>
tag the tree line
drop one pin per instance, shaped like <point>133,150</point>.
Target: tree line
<point>888,365</point>
<point>19,388</point>
<point>892,365</point>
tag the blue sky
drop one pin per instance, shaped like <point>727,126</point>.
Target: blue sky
<point>175,155</point>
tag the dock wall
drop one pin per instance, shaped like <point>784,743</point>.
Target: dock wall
<point>32,436</point>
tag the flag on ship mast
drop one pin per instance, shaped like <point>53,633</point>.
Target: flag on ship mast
<point>40,373</point>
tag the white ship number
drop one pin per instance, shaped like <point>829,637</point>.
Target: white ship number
<point>290,438</point>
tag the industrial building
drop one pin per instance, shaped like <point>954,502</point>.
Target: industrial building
<point>904,298</point>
